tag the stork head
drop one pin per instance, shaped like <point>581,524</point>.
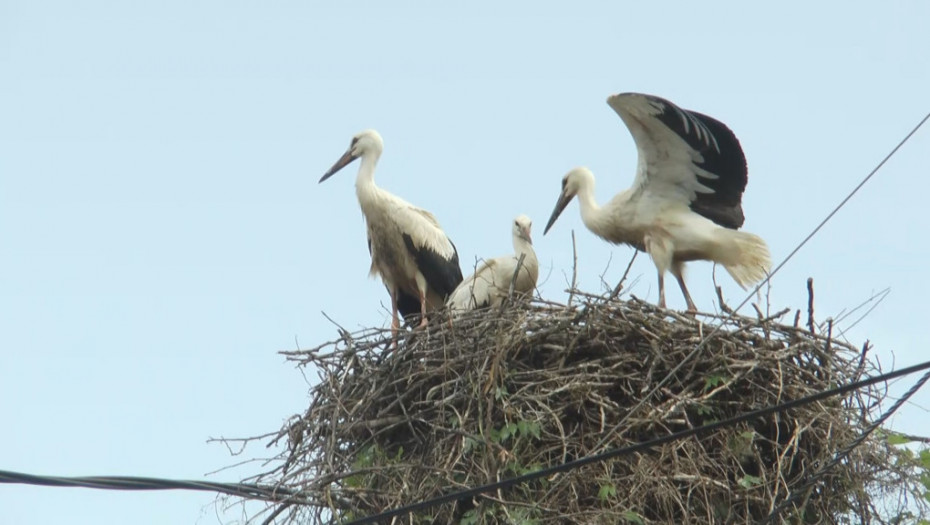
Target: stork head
<point>521,228</point>
<point>572,183</point>
<point>367,142</point>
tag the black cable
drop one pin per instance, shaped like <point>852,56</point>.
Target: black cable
<point>244,490</point>
<point>842,454</point>
<point>268,493</point>
<point>768,278</point>
<point>617,452</point>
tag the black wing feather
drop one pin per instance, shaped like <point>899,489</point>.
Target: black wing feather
<point>408,306</point>
<point>722,155</point>
<point>442,275</point>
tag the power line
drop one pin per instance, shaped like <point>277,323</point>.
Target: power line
<point>278,494</point>
<point>282,494</point>
<point>703,342</point>
<point>623,451</point>
<point>842,454</point>
<point>245,490</point>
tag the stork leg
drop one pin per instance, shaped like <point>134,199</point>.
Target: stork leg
<point>660,249</point>
<point>661,290</point>
<point>423,319</point>
<point>395,321</point>
<point>677,270</point>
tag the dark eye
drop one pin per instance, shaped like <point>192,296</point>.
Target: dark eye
<point>564,181</point>
<point>354,141</point>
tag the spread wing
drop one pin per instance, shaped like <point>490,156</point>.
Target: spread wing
<point>685,156</point>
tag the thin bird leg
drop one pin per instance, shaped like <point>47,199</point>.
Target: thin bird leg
<point>661,290</point>
<point>677,270</point>
<point>423,319</point>
<point>395,321</point>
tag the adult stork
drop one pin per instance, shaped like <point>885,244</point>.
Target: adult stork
<point>490,284</point>
<point>685,202</point>
<point>417,262</point>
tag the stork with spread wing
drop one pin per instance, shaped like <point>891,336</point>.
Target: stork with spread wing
<point>686,200</point>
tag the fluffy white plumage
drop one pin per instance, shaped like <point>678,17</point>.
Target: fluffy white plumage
<point>685,201</point>
<point>490,284</point>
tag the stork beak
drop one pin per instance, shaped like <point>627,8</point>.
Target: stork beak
<point>343,161</point>
<point>559,207</point>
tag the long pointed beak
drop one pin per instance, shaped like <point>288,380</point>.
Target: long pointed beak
<point>559,207</point>
<point>343,161</point>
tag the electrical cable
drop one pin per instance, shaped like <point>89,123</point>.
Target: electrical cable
<point>842,454</point>
<point>244,490</point>
<point>637,447</point>
<point>609,434</point>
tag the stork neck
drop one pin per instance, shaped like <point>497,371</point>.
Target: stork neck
<point>524,248</point>
<point>590,210</point>
<point>365,181</point>
<point>521,246</point>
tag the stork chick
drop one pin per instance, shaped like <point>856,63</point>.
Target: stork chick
<point>417,262</point>
<point>686,200</point>
<point>490,284</point>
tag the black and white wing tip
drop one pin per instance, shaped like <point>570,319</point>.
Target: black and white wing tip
<point>718,161</point>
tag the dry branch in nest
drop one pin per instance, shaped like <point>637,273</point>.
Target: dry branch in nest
<point>504,392</point>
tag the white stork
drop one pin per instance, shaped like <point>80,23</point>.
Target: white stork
<point>417,262</point>
<point>490,284</point>
<point>685,202</point>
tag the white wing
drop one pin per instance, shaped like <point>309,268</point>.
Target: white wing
<point>476,290</point>
<point>490,284</point>
<point>685,156</point>
<point>422,227</point>
<point>405,241</point>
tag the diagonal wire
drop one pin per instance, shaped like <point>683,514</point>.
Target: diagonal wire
<point>666,379</point>
<point>842,454</point>
<point>703,343</point>
<point>617,452</point>
<point>268,493</point>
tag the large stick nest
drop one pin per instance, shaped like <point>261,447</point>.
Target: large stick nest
<point>504,392</point>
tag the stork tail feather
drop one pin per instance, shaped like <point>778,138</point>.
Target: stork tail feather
<point>747,260</point>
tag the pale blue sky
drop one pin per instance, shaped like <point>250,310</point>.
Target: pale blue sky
<point>163,234</point>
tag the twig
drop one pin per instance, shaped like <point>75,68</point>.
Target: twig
<point>876,299</point>
<point>345,334</point>
<point>513,280</point>
<point>619,287</point>
<point>539,383</point>
<point>912,437</point>
<point>810,304</point>
<point>277,511</point>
